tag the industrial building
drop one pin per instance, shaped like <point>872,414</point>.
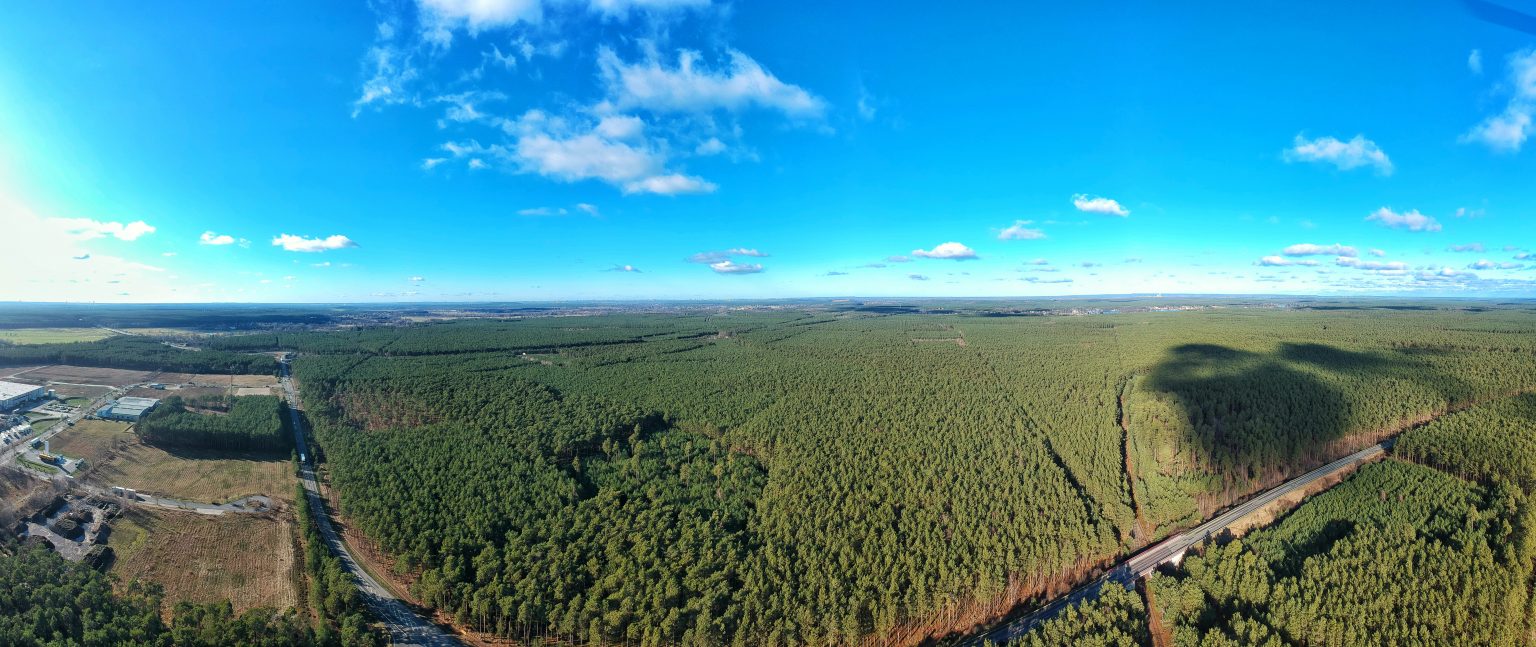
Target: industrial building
<point>15,394</point>
<point>130,409</point>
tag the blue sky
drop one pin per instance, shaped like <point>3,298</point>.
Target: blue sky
<point>443,150</point>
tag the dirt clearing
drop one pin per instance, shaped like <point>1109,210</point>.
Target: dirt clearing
<point>116,456</point>
<point>247,559</point>
<point>87,375</point>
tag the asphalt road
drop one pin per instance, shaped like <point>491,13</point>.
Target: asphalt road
<point>405,626</point>
<point>1127,572</point>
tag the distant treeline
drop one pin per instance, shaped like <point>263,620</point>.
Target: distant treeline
<point>199,317</point>
<point>247,423</point>
<point>138,353</point>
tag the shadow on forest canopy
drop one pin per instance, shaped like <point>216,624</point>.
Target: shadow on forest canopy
<point>1251,413</point>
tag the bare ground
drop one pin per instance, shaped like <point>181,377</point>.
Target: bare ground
<point>246,559</point>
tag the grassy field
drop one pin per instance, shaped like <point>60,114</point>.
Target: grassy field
<point>118,458</point>
<point>52,335</point>
<point>246,559</point>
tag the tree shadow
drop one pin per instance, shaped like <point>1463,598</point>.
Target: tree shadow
<point>1257,416</point>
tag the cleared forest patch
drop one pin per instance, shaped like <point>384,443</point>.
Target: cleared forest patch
<point>53,335</point>
<point>246,559</point>
<point>116,456</point>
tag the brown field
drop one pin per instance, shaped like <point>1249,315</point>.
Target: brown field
<point>76,391</point>
<point>12,371</point>
<point>116,457</point>
<point>86,375</point>
<point>246,559</point>
<point>92,440</point>
<point>185,392</point>
<point>206,379</point>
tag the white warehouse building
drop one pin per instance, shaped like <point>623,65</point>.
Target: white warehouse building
<point>15,394</point>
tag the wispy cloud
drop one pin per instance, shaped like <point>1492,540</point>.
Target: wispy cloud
<point>1020,230</point>
<point>542,211</point>
<point>210,238</point>
<point>294,243</point>
<point>835,273</point>
<point>1486,264</point>
<point>949,251</point>
<point>917,277</point>
<point>1410,220</point>
<point>623,268</point>
<point>1281,261</point>
<point>1475,61</point>
<point>1309,249</point>
<point>1507,131</point>
<point>88,229</point>
<point>1469,247</point>
<point>1355,153</point>
<point>898,259</point>
<point>691,86</point>
<point>1093,204</point>
<point>1371,265</point>
<point>725,254</point>
<point>732,267</point>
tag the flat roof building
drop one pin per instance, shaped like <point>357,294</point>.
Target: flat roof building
<point>128,408</point>
<point>14,394</point>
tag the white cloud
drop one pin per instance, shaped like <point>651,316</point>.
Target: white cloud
<point>1378,252</point>
<point>1393,266</point>
<point>1507,131</point>
<point>610,150</point>
<point>414,279</point>
<point>1475,61</point>
<point>1445,273</point>
<point>1469,247</point>
<point>589,209</point>
<point>294,243</point>
<point>1410,220</point>
<point>620,8</point>
<point>951,251</point>
<point>899,258</point>
<point>432,162</point>
<point>711,146</point>
<point>1464,212</point>
<point>1094,204</point>
<point>1281,261</point>
<point>732,267</point>
<point>1038,261</point>
<point>624,268</point>
<point>917,277</point>
<point>541,211</point>
<point>1020,231</point>
<point>1486,264</point>
<point>323,264</point>
<point>867,106</point>
<point>88,229</point>
<point>1309,249</point>
<point>210,238</point>
<point>691,87</point>
<point>1355,153</point>
<point>727,254</point>
<point>674,184</point>
<point>442,16</point>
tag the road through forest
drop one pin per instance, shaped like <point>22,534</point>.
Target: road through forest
<point>1127,572</point>
<point>406,627</point>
